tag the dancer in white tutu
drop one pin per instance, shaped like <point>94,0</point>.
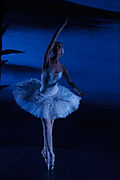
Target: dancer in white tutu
<point>46,99</point>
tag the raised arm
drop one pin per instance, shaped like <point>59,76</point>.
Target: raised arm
<point>68,79</point>
<point>47,53</point>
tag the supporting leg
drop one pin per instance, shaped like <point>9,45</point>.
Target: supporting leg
<point>48,135</point>
<point>47,132</point>
<point>52,122</point>
<point>44,150</point>
<point>45,145</point>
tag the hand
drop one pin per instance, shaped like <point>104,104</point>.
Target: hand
<point>64,24</point>
<point>66,21</point>
<point>83,93</point>
<point>41,89</point>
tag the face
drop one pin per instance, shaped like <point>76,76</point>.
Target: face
<point>58,49</point>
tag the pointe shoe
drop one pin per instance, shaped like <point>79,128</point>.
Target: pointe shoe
<point>53,161</point>
<point>50,162</point>
<point>44,154</point>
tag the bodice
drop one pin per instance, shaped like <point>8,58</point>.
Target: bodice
<point>49,82</point>
<point>51,78</point>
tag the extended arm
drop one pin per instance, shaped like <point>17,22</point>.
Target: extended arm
<point>68,79</point>
<point>47,53</point>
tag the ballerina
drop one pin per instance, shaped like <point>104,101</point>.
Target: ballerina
<point>45,98</point>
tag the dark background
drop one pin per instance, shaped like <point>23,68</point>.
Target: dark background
<point>86,143</point>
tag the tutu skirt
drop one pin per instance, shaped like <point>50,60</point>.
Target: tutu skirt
<point>55,102</point>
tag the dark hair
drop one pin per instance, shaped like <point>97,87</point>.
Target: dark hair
<point>56,44</point>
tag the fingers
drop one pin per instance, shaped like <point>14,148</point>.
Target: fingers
<point>83,93</point>
<point>66,20</point>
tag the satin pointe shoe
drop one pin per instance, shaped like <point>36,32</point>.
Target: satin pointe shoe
<point>44,154</point>
<point>51,160</point>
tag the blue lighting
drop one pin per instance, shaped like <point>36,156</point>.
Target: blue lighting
<point>102,4</point>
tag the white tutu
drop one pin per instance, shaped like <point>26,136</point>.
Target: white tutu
<point>56,102</point>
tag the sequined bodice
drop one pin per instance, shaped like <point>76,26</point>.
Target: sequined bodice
<point>51,78</point>
<point>49,82</point>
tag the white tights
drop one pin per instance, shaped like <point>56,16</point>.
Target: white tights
<point>47,133</point>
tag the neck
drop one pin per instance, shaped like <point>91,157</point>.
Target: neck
<point>56,58</point>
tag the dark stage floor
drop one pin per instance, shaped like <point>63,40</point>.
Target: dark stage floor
<point>26,162</point>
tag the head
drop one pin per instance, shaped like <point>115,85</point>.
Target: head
<point>58,49</point>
